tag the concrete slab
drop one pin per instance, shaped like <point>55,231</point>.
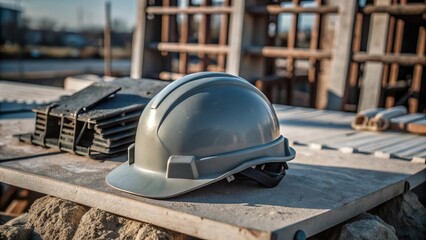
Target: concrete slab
<point>321,189</point>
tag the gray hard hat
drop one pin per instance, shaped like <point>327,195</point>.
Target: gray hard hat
<point>200,129</point>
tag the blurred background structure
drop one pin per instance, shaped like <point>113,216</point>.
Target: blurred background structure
<point>342,55</point>
<point>42,42</point>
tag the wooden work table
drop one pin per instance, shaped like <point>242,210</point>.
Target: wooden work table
<point>322,188</point>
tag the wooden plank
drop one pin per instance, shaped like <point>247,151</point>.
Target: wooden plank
<point>225,210</point>
<point>189,47</point>
<point>404,59</point>
<point>354,141</point>
<point>384,143</point>
<point>396,9</point>
<point>8,196</point>
<point>392,150</point>
<point>168,76</point>
<point>413,151</point>
<point>401,122</point>
<point>417,127</point>
<point>277,9</point>
<point>370,90</point>
<point>288,52</point>
<point>341,54</point>
<point>356,146</point>
<point>189,10</point>
<point>17,207</point>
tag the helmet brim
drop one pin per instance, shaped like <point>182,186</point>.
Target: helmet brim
<point>131,179</point>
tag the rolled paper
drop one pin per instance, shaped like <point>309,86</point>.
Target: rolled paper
<point>382,120</point>
<point>361,119</point>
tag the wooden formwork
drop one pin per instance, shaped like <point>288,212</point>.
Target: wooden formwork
<point>394,54</point>
<point>242,46</point>
<point>291,51</point>
<point>362,67</point>
<point>175,33</point>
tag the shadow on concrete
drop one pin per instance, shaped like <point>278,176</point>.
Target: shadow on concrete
<point>304,186</point>
<point>11,110</point>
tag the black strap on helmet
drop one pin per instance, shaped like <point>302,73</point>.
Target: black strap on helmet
<point>267,175</point>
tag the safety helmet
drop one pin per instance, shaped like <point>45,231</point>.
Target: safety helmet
<point>198,130</point>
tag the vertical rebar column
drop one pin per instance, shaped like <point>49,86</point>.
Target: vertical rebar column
<point>183,39</point>
<point>107,40</point>
<point>203,34</point>
<point>393,78</point>
<point>313,73</point>
<point>354,66</point>
<point>386,67</point>
<point>292,36</point>
<point>341,54</point>
<point>223,37</point>
<point>165,25</point>
<point>413,101</point>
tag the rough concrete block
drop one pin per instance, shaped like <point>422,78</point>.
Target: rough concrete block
<point>98,224</point>
<point>406,214</point>
<point>367,226</point>
<point>54,218</point>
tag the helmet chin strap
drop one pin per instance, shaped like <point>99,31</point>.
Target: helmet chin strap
<point>267,175</point>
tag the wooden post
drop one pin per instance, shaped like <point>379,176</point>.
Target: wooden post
<point>236,41</point>
<point>247,30</point>
<point>150,62</point>
<point>138,41</point>
<point>370,90</point>
<point>107,40</point>
<point>341,56</point>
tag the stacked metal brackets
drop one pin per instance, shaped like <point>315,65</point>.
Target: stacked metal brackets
<point>96,121</point>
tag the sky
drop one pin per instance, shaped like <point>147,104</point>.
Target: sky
<point>74,13</point>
